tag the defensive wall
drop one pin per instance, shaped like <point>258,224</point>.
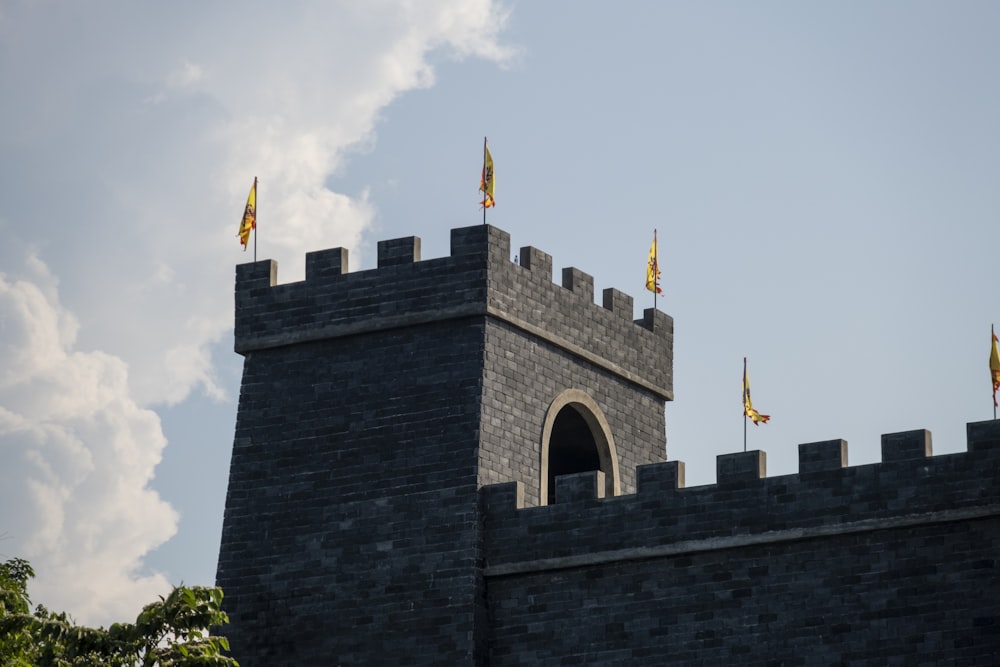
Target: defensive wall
<point>888,563</point>
<point>399,433</point>
<point>375,403</point>
<point>478,278</point>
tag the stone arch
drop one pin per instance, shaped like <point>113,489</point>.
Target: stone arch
<point>576,437</point>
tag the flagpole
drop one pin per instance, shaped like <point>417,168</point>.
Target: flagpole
<point>744,404</point>
<point>992,334</point>
<point>255,197</point>
<point>485,185</point>
<point>656,262</point>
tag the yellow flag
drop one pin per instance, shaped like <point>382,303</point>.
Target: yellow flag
<point>995,368</point>
<point>747,403</point>
<point>653,268</point>
<point>487,181</point>
<point>249,221</point>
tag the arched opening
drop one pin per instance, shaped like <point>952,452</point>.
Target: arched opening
<point>576,438</point>
<point>571,447</point>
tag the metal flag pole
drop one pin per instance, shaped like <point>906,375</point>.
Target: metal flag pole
<point>656,267</point>
<point>485,185</point>
<point>255,218</point>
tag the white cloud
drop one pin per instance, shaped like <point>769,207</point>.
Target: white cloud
<point>130,138</point>
<point>146,222</point>
<point>76,458</point>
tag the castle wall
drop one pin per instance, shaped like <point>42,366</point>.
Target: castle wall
<point>372,405</point>
<point>906,597</point>
<point>350,519</point>
<point>375,403</point>
<point>350,523</point>
<point>522,376</point>
<point>894,561</point>
<point>543,338</point>
<point>605,336</point>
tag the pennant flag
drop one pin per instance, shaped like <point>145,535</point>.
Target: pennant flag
<point>487,182</point>
<point>249,221</point>
<point>995,368</point>
<point>653,269</point>
<point>747,403</point>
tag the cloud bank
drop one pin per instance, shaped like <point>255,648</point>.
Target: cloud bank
<point>78,454</point>
<point>129,136</point>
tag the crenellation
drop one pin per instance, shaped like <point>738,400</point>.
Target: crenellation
<point>983,435</point>
<point>740,467</point>
<point>578,282</point>
<point>822,456</point>
<point>842,499</point>
<point>906,446</point>
<point>536,261</point>
<point>580,487</point>
<point>657,321</point>
<point>485,241</point>
<point>254,276</point>
<point>476,279</point>
<point>659,477</point>
<point>393,252</point>
<point>399,430</point>
<point>617,302</point>
<point>326,264</point>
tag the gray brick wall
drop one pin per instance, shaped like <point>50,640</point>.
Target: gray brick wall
<point>350,519</point>
<point>372,406</point>
<point>889,563</point>
<point>907,597</point>
<point>522,376</point>
<point>384,494</point>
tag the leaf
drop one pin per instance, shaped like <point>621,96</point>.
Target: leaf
<point>171,632</point>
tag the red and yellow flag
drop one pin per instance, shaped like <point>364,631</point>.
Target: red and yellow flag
<point>487,181</point>
<point>653,268</point>
<point>995,367</point>
<point>747,403</point>
<point>249,221</point>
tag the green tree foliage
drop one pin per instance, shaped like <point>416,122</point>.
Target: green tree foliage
<point>174,631</point>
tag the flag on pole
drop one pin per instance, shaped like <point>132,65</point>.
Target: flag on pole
<point>653,269</point>
<point>747,403</point>
<point>995,367</point>
<point>249,221</point>
<point>487,182</point>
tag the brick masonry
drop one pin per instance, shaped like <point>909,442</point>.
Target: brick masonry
<point>374,404</point>
<point>889,563</point>
<point>385,502</point>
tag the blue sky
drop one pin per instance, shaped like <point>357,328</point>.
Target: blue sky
<point>822,177</point>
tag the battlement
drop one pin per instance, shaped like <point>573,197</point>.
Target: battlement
<point>478,279</point>
<point>383,415</point>
<point>909,487</point>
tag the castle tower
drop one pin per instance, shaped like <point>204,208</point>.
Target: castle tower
<point>373,407</point>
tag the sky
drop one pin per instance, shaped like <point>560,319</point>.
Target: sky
<point>822,178</point>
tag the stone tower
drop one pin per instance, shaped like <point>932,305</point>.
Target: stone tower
<point>373,407</point>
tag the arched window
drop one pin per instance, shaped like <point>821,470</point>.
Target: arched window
<point>576,438</point>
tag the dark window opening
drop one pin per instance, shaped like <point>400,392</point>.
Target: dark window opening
<point>572,448</point>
